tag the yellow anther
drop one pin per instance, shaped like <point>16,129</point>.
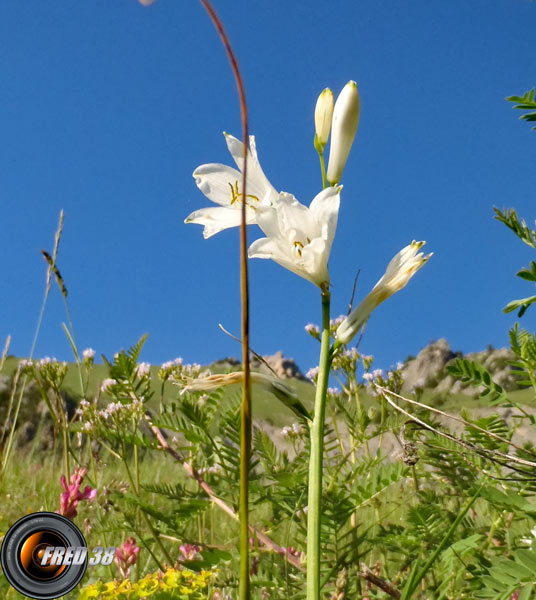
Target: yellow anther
<point>298,246</point>
<point>236,195</point>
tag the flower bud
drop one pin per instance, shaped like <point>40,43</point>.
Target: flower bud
<point>323,116</point>
<point>344,127</point>
<point>399,271</point>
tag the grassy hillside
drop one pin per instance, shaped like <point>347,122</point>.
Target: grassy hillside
<point>265,406</point>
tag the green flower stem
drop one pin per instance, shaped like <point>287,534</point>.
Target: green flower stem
<point>316,458</point>
<point>320,149</point>
<point>354,389</point>
<point>323,167</point>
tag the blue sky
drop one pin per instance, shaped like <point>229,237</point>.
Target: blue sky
<point>108,107</point>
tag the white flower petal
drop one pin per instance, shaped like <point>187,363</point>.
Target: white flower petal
<point>325,209</point>
<point>298,237</point>
<point>263,248</point>
<point>223,185</point>
<point>295,216</point>
<point>315,261</point>
<point>268,221</point>
<point>218,218</point>
<point>271,249</point>
<point>256,178</point>
<point>214,180</point>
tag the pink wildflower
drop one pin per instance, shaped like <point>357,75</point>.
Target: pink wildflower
<point>72,495</point>
<point>515,595</point>
<point>126,555</point>
<point>188,551</point>
<point>291,550</point>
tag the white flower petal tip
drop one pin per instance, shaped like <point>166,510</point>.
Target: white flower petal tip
<point>399,271</point>
<point>298,237</point>
<point>343,130</point>
<point>223,186</point>
<point>217,218</point>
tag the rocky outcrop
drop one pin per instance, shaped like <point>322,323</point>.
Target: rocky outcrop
<point>283,367</point>
<point>429,369</point>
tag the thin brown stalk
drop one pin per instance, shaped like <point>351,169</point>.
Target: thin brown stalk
<point>245,437</point>
<point>387,587</point>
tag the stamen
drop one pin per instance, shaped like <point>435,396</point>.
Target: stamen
<point>298,247</point>
<point>236,195</point>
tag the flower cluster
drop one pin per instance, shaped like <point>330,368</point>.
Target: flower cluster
<point>392,380</point>
<point>143,370</point>
<point>312,374</point>
<point>49,371</point>
<point>114,413</point>
<point>189,552</point>
<point>174,582</point>
<point>347,360</point>
<point>179,372</point>
<point>126,556</point>
<point>333,392</point>
<point>72,495</point>
<point>296,430</point>
<point>214,469</point>
<point>88,356</point>
<point>313,330</point>
<point>107,385</point>
<point>334,324</point>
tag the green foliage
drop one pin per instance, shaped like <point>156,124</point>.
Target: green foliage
<point>505,576</point>
<point>471,372</point>
<point>528,236</point>
<point>124,370</point>
<point>525,102</point>
<point>519,227</point>
<point>523,344</point>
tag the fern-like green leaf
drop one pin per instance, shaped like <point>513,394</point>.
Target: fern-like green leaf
<point>519,227</point>
<point>476,375</point>
<point>525,102</point>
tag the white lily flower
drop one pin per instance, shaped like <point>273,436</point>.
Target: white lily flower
<point>399,271</point>
<point>343,130</point>
<point>222,185</point>
<point>299,238</point>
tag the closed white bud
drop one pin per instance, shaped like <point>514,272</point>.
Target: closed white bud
<point>323,116</point>
<point>343,130</point>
